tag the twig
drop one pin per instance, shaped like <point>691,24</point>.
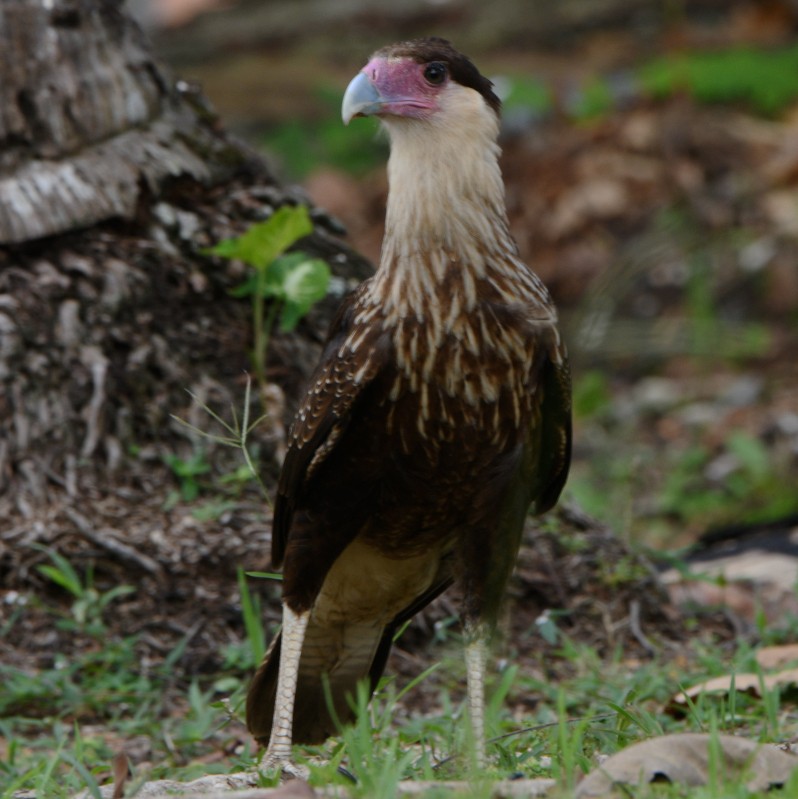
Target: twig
<point>636,630</point>
<point>98,364</point>
<point>108,542</point>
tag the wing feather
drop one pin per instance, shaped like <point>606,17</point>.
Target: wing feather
<point>341,377</point>
<point>554,455</point>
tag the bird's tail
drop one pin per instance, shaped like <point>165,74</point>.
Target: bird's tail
<point>346,654</point>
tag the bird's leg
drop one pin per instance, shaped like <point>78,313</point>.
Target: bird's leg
<point>476,653</point>
<point>278,753</point>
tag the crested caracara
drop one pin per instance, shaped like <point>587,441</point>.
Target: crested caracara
<point>439,413</point>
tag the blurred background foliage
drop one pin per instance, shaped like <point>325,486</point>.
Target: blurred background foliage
<point>651,161</point>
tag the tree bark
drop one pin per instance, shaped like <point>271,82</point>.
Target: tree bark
<point>113,180</point>
<point>88,121</point>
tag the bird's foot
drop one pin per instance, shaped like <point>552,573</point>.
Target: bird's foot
<point>287,768</point>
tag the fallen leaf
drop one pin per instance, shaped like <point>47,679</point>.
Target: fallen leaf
<point>685,759</point>
<point>744,683</point>
<point>774,657</point>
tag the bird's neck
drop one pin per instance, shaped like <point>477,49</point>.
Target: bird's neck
<point>446,191</point>
<point>446,223</point>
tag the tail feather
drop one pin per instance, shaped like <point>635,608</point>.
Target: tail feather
<point>346,654</point>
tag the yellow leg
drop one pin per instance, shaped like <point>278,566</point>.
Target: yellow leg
<point>476,653</point>
<point>278,753</point>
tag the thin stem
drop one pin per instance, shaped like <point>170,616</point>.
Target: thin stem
<point>263,338</point>
<point>259,349</point>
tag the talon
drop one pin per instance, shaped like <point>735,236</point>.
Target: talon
<point>288,769</point>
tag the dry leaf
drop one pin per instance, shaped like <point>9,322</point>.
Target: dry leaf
<point>774,657</point>
<point>685,759</point>
<point>744,683</point>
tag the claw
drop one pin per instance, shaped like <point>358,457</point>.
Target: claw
<point>287,768</point>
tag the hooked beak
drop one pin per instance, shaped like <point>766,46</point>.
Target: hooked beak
<point>361,99</point>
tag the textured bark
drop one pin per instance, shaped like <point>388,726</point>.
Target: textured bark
<point>87,119</point>
<point>108,321</point>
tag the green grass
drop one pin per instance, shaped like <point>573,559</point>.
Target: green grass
<point>764,79</point>
<point>63,724</point>
<point>649,494</point>
<point>63,721</point>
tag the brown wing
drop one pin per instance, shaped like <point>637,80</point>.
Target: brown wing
<point>554,447</point>
<point>341,377</point>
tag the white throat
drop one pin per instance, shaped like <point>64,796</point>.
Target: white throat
<point>446,189</point>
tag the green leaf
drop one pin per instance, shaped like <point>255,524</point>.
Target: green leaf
<point>88,778</point>
<point>191,467</point>
<point>250,607</point>
<point>60,578</point>
<point>266,575</point>
<point>278,273</point>
<point>106,598</point>
<point>62,573</point>
<point>246,289</point>
<point>302,282</point>
<point>265,241</point>
<point>751,453</point>
<point>291,278</point>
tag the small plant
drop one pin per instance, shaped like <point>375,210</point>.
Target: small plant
<point>571,755</point>
<point>282,285</point>
<point>187,471</point>
<point>236,434</point>
<point>90,604</point>
<point>61,773</point>
<point>753,489</point>
<point>251,610</point>
<point>378,763</point>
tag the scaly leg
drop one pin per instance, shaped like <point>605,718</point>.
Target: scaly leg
<point>278,753</point>
<point>476,653</point>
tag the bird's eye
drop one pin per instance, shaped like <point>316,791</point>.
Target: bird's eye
<point>435,73</point>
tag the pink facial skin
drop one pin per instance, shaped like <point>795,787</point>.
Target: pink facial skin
<point>404,90</point>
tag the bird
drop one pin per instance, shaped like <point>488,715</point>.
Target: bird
<point>438,416</point>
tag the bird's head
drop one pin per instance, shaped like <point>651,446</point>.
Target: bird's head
<point>442,117</point>
<point>417,80</point>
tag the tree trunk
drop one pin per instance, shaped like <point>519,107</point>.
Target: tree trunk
<point>113,181</point>
<point>87,119</point>
<point>113,178</point>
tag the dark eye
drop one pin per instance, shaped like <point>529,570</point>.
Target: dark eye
<point>435,73</point>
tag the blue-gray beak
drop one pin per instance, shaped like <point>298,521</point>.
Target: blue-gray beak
<point>361,98</point>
